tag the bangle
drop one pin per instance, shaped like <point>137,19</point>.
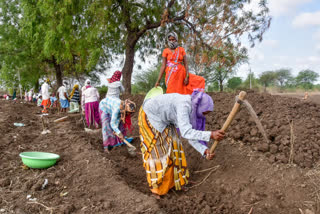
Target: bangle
<point>205,154</point>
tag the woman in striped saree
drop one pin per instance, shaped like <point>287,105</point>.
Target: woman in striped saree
<point>162,120</point>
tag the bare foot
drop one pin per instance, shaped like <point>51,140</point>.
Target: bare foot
<point>156,196</point>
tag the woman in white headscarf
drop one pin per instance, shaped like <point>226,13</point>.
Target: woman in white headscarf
<point>90,105</point>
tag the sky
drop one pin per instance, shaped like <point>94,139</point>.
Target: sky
<point>292,41</point>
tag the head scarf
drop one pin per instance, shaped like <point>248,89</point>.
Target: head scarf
<point>88,83</point>
<point>201,102</point>
<point>172,45</point>
<point>130,107</point>
<point>65,83</point>
<point>115,77</point>
<point>75,87</point>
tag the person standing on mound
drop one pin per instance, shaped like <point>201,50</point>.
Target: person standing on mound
<point>175,64</point>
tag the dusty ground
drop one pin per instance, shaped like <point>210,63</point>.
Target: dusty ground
<point>247,173</point>
<point>313,96</point>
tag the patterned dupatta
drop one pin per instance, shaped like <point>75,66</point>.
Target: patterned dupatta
<point>173,63</point>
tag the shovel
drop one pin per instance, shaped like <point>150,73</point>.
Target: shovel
<point>131,149</point>
<point>232,114</point>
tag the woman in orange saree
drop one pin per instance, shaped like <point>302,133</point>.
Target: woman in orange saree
<point>175,64</point>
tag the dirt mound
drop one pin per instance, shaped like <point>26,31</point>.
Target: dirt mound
<point>246,172</point>
<point>276,113</point>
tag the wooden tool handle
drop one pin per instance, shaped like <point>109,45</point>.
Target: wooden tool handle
<point>129,144</point>
<point>232,114</point>
<point>126,142</point>
<point>61,119</point>
<point>42,121</point>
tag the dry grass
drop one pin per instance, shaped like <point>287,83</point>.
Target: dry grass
<point>292,140</point>
<point>313,176</point>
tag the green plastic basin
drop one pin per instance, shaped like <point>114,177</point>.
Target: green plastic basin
<point>154,92</point>
<point>39,160</point>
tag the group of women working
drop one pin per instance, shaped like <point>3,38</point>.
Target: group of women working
<point>165,118</point>
<point>162,120</point>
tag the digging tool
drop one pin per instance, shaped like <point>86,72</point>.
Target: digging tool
<point>61,119</point>
<point>44,130</point>
<point>131,149</point>
<point>232,114</point>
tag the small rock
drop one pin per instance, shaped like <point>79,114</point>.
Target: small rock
<point>140,207</point>
<point>69,209</point>
<point>4,182</point>
<point>107,205</point>
<point>307,211</point>
<point>308,163</point>
<point>37,186</point>
<point>207,209</point>
<point>138,200</point>
<point>298,158</point>
<point>282,158</point>
<point>161,212</point>
<point>273,149</point>
<point>19,211</point>
<point>254,132</point>
<point>272,159</point>
<point>264,147</point>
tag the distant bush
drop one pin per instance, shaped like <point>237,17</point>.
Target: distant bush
<point>102,91</point>
<point>146,80</point>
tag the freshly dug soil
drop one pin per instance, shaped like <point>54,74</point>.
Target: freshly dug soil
<point>246,172</point>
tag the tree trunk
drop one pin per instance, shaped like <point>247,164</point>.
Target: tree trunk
<point>221,85</point>
<point>57,67</point>
<point>128,65</point>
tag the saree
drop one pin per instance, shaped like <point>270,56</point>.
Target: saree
<point>176,73</point>
<point>92,114</point>
<point>46,105</point>
<point>110,140</point>
<point>163,157</point>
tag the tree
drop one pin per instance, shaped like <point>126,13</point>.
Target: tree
<point>266,78</point>
<point>254,81</point>
<point>145,81</point>
<point>234,82</point>
<point>128,26</point>
<point>224,66</point>
<point>15,53</point>
<point>54,33</point>
<point>306,78</point>
<point>283,76</point>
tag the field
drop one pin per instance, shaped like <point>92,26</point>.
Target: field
<point>247,175</point>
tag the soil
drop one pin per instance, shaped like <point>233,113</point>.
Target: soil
<point>246,173</point>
